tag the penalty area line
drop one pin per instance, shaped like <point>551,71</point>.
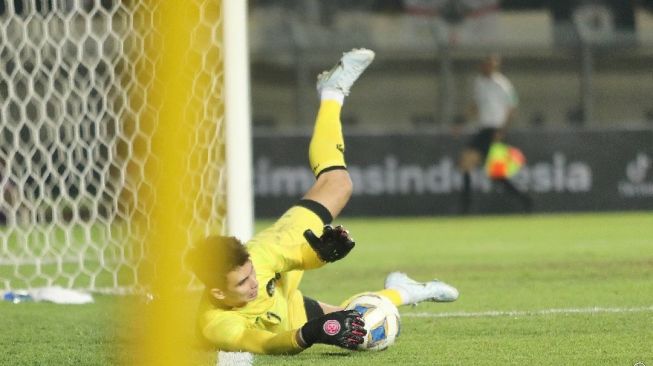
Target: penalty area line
<point>517,313</point>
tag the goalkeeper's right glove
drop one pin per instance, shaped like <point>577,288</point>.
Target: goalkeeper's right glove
<point>334,243</point>
<point>343,328</point>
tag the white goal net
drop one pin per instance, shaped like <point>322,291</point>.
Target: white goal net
<point>76,122</point>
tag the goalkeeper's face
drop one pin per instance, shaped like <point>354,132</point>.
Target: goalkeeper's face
<point>241,286</point>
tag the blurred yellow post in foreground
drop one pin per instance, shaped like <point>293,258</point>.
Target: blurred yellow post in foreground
<point>180,40</point>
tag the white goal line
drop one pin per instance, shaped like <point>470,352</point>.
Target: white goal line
<point>517,313</point>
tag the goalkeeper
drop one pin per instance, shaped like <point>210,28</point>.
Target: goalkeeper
<point>252,302</point>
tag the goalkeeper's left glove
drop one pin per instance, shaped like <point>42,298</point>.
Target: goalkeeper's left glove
<point>343,328</point>
<point>334,244</point>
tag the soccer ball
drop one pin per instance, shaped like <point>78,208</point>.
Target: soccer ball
<point>381,321</point>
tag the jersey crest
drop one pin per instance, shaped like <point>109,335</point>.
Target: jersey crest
<point>272,284</point>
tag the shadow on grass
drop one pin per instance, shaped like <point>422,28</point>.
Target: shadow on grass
<point>337,354</point>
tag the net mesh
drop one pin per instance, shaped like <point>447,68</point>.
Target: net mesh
<point>76,123</point>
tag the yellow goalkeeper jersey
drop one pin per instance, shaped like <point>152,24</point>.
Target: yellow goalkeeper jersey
<point>267,325</point>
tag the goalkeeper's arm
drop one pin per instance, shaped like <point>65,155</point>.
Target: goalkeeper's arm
<point>227,337</point>
<point>341,328</point>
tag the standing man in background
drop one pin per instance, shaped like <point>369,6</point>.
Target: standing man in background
<point>494,106</point>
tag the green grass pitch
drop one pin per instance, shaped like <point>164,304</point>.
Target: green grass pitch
<point>536,290</point>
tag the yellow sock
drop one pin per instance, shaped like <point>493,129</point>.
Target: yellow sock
<point>393,295</point>
<point>327,147</point>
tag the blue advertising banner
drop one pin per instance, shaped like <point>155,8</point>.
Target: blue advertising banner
<point>416,174</point>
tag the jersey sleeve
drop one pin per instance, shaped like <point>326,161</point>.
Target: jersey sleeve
<point>231,334</point>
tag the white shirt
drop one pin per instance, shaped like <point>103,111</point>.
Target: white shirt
<point>494,97</point>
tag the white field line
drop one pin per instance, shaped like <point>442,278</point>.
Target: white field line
<point>516,313</point>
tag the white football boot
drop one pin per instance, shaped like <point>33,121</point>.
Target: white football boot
<point>343,75</point>
<point>414,292</point>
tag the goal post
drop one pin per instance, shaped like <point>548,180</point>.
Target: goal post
<point>84,105</point>
<point>240,215</point>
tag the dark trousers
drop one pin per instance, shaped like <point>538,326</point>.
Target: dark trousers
<point>508,187</point>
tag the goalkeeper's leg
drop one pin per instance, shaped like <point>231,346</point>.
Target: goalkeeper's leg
<point>333,186</point>
<point>402,290</point>
<point>405,290</point>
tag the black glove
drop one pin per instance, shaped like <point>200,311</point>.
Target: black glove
<point>334,244</point>
<point>341,328</point>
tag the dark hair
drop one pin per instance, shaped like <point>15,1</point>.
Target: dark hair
<point>215,256</point>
